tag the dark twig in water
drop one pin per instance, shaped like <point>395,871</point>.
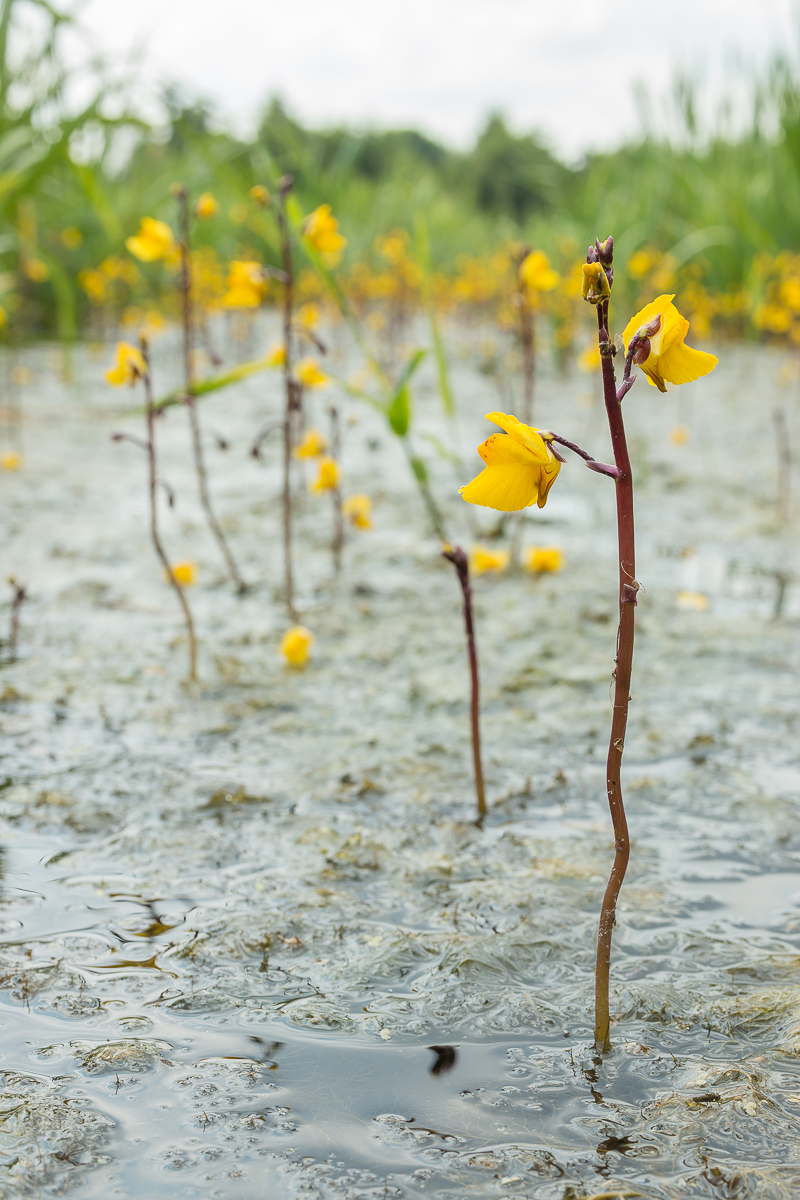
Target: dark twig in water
<point>337,540</point>
<point>18,599</point>
<point>154,531</point>
<point>459,560</point>
<point>189,400</point>
<point>784,453</point>
<point>293,394</point>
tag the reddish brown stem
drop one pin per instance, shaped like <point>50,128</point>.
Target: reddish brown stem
<point>337,540</point>
<point>624,662</point>
<point>292,395</point>
<point>459,560</point>
<point>188,372</point>
<point>154,532</point>
<point>20,596</point>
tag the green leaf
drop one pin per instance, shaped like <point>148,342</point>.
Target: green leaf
<point>442,450</point>
<point>419,469</point>
<point>215,384</point>
<point>399,412</point>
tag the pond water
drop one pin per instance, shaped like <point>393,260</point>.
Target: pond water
<point>252,942</point>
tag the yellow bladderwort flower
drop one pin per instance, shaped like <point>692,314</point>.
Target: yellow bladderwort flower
<point>309,315</point>
<point>321,230</point>
<point>313,444</point>
<point>693,601</point>
<point>679,436</point>
<point>277,356</point>
<point>357,509</point>
<point>3,317</point>
<point>536,274</point>
<point>260,194</point>
<point>185,573</point>
<point>589,359</point>
<point>483,561</point>
<point>206,207</point>
<point>129,365</point>
<point>11,461</point>
<point>520,468</point>
<point>669,359</point>
<point>154,241</point>
<point>296,644</point>
<point>246,285</point>
<point>327,476</point>
<point>543,558</point>
<point>309,374</point>
<point>36,270</point>
<point>71,237</point>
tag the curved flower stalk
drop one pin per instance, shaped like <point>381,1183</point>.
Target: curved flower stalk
<point>206,204</point>
<point>132,364</point>
<point>521,467</point>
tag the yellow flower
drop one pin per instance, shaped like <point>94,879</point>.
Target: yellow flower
<point>128,367</point>
<point>71,237</point>
<point>482,561</point>
<point>543,558</point>
<point>669,360</point>
<point>246,285</point>
<point>3,317</point>
<point>153,242</point>
<point>206,206</point>
<point>594,284</point>
<point>321,230</point>
<point>536,273</point>
<point>260,194</point>
<point>277,356</point>
<point>679,436</point>
<point>309,315</point>
<point>693,601</point>
<point>310,375</point>
<point>36,270</point>
<point>11,461</point>
<point>185,573</point>
<point>312,445</point>
<point>357,509</point>
<point>520,468</point>
<point>327,476</point>
<point>296,644</point>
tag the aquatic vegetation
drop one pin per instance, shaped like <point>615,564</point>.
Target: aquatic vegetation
<point>358,510</point>
<point>206,206</point>
<point>185,573</point>
<point>520,467</point>
<point>662,353</point>
<point>488,562</point>
<point>20,595</point>
<point>132,365</point>
<point>154,241</point>
<point>327,478</point>
<point>313,444</point>
<point>462,565</point>
<point>543,559</point>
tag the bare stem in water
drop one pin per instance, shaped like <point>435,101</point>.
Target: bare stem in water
<point>293,397</point>
<point>20,596</point>
<point>459,560</point>
<point>337,541</point>
<point>189,400</point>
<point>154,531</point>
<point>624,660</point>
<point>527,337</point>
<point>784,453</point>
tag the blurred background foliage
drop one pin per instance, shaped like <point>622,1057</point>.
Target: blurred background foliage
<point>708,208</point>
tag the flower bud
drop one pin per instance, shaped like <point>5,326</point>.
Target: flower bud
<point>595,286</point>
<point>642,352</point>
<point>605,251</point>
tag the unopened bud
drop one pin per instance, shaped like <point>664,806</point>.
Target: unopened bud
<point>605,251</point>
<point>595,286</point>
<point>642,351</point>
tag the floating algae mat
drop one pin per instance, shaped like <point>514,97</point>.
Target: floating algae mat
<point>252,943</point>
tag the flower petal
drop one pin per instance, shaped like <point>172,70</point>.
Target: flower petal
<point>682,364</point>
<point>654,308</point>
<point>526,435</point>
<point>507,487</point>
<point>501,450</point>
<point>546,480</point>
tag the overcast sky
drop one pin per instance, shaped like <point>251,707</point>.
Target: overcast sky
<point>567,69</point>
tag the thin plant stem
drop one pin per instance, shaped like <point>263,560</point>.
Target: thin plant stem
<point>527,334</point>
<point>189,401</point>
<point>20,596</point>
<point>293,399</point>
<point>784,453</point>
<point>459,560</point>
<point>337,540</point>
<point>624,662</point>
<point>153,481</point>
